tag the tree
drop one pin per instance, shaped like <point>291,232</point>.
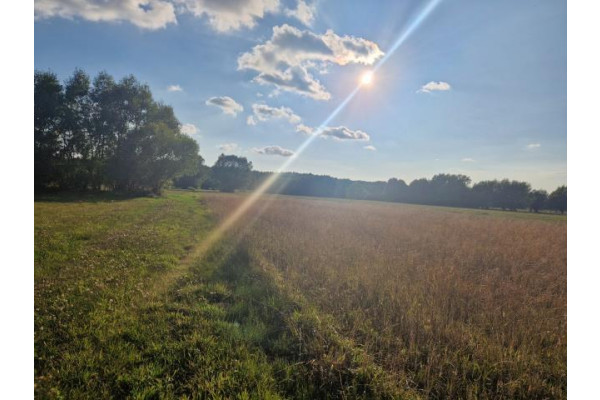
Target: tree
<point>48,103</point>
<point>419,191</point>
<point>357,190</point>
<point>449,190</point>
<point>558,199</point>
<point>152,156</point>
<point>232,172</point>
<point>513,195</point>
<point>106,135</point>
<point>537,200</point>
<point>484,194</point>
<point>75,170</point>
<point>395,190</point>
<point>195,179</point>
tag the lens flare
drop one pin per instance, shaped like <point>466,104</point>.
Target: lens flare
<point>408,31</point>
<point>366,79</point>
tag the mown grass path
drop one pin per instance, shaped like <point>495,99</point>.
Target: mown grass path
<point>117,314</point>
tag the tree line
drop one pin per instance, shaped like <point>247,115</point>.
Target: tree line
<point>106,135</point>
<point>230,173</point>
<point>102,134</point>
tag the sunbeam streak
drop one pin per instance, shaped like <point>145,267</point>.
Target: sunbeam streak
<point>407,32</point>
<point>228,222</point>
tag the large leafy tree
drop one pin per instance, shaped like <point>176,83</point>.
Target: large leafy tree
<point>484,194</point>
<point>232,172</point>
<point>448,189</point>
<point>558,199</point>
<point>420,191</point>
<point>48,103</point>
<point>538,200</point>
<point>74,132</point>
<point>512,195</point>
<point>106,134</point>
<point>395,190</point>
<point>154,155</point>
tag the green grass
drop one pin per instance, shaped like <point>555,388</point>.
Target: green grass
<point>122,311</point>
<point>117,316</point>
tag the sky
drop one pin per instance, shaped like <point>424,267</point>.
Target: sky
<point>458,86</point>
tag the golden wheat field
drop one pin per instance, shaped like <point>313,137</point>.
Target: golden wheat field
<point>451,303</point>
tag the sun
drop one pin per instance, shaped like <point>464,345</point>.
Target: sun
<point>366,78</point>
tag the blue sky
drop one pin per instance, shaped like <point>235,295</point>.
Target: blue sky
<point>477,87</point>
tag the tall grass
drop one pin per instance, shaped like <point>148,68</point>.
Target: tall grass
<point>453,305</point>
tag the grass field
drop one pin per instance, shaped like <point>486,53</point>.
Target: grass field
<point>304,298</point>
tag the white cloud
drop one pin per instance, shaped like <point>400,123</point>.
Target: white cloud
<point>370,148</point>
<point>294,79</point>
<point>303,12</point>
<point>288,57</point>
<point>435,86</point>
<point>229,147</point>
<point>534,146</point>
<point>337,132</point>
<point>189,129</point>
<point>274,151</point>
<point>225,103</point>
<point>263,112</point>
<point>146,14</point>
<point>307,130</point>
<point>344,133</point>
<point>467,159</point>
<point>230,15</point>
<point>223,16</point>
<point>174,88</point>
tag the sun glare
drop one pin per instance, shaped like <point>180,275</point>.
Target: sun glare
<point>366,78</point>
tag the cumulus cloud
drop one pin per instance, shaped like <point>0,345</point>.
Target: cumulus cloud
<point>229,147</point>
<point>225,103</point>
<point>337,132</point>
<point>295,79</point>
<point>435,86</point>
<point>146,14</point>
<point>263,112</point>
<point>467,159</point>
<point>532,146</point>
<point>303,12</point>
<point>189,129</point>
<point>307,130</point>
<point>273,151</point>
<point>174,88</point>
<point>288,58</point>
<point>370,148</point>
<point>230,15</point>
<point>223,16</point>
<point>344,133</point>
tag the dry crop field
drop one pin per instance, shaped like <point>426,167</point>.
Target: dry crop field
<point>451,303</point>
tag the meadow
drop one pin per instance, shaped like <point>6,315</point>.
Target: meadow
<point>303,298</point>
<point>452,303</point>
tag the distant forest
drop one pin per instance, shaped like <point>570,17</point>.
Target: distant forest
<point>231,173</point>
<point>101,134</point>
